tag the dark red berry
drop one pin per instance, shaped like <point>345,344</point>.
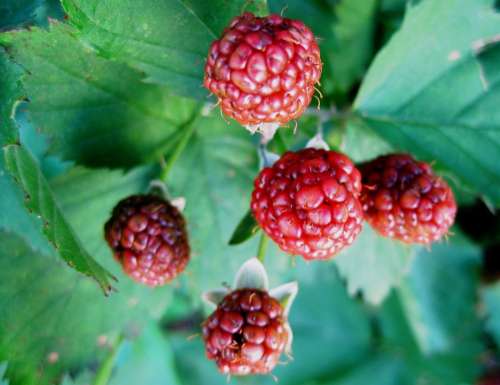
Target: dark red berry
<point>403,199</point>
<point>307,202</point>
<point>148,237</point>
<point>263,69</point>
<point>242,341</point>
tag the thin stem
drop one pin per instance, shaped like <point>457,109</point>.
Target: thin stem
<point>104,373</point>
<point>183,141</point>
<point>261,251</point>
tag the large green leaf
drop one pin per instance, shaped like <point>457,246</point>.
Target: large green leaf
<point>14,13</point>
<point>354,30</point>
<point>426,292</point>
<point>148,360</point>
<point>458,366</point>
<point>490,296</point>
<point>40,199</point>
<point>13,214</point>
<point>10,93</point>
<point>372,265</point>
<point>95,111</point>
<point>167,39</point>
<point>53,319</point>
<point>438,98</point>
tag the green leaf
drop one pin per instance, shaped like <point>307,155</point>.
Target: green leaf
<point>96,112</point>
<point>245,230</point>
<point>15,218</point>
<point>15,13</point>
<point>40,199</point>
<point>388,371</point>
<point>168,40</point>
<point>362,143</point>
<point>490,296</point>
<point>372,265</point>
<point>354,30</point>
<point>53,319</point>
<point>439,99</point>
<point>147,360</point>
<point>426,292</point>
<point>456,365</point>
<point>10,93</point>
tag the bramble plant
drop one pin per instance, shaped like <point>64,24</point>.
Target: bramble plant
<point>152,150</point>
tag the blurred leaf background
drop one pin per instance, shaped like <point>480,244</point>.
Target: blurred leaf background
<point>93,93</point>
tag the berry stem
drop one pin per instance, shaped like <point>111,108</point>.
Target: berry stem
<point>261,251</point>
<point>188,128</point>
<point>104,372</point>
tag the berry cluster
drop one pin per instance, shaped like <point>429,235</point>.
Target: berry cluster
<point>312,202</point>
<point>307,202</point>
<point>148,237</point>
<point>263,69</point>
<point>247,333</point>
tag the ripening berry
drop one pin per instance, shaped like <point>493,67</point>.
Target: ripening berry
<point>247,333</point>
<point>307,202</point>
<point>263,70</point>
<point>148,237</point>
<point>403,199</point>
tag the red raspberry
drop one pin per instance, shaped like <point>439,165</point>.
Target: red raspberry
<point>247,333</point>
<point>263,69</point>
<point>307,202</point>
<point>148,237</point>
<point>403,199</point>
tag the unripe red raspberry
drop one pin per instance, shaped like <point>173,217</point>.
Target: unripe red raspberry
<point>148,237</point>
<point>307,202</point>
<point>403,199</point>
<point>247,333</point>
<point>263,69</point>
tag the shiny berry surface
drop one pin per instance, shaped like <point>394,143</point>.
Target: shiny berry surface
<point>403,199</point>
<point>307,202</point>
<point>148,237</point>
<point>263,69</point>
<point>246,334</point>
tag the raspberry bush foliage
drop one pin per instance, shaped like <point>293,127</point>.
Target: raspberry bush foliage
<point>103,100</point>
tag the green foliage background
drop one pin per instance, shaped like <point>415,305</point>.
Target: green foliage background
<point>93,93</point>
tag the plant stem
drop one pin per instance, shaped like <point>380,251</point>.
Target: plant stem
<point>104,373</point>
<point>261,251</point>
<point>188,128</point>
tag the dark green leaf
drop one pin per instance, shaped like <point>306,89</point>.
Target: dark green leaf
<point>53,319</point>
<point>439,100</point>
<point>168,40</point>
<point>147,360</point>
<point>95,111</point>
<point>491,299</point>
<point>10,93</point>
<point>40,199</point>
<point>245,230</point>
<point>15,13</point>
